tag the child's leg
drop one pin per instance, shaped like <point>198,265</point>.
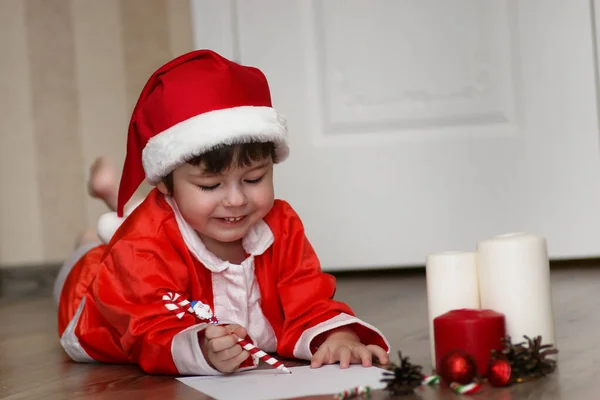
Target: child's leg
<point>104,182</point>
<point>85,242</point>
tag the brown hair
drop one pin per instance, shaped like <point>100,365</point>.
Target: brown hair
<point>223,157</point>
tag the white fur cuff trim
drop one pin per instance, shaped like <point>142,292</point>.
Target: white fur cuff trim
<point>187,354</point>
<point>302,347</point>
<point>70,342</point>
<point>181,142</point>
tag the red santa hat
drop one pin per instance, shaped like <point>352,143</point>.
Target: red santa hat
<point>190,105</point>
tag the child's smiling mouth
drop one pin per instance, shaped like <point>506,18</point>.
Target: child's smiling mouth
<point>232,220</point>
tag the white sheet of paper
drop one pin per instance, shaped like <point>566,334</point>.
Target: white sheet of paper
<point>267,384</point>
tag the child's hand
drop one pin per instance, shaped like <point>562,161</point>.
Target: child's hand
<point>344,346</point>
<point>221,348</point>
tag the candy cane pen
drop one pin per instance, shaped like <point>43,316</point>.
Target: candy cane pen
<point>175,302</point>
<point>352,393</point>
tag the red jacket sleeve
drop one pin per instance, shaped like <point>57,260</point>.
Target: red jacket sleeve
<point>307,294</point>
<point>128,293</point>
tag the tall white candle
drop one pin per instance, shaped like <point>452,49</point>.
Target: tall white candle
<point>451,284</point>
<point>514,279</point>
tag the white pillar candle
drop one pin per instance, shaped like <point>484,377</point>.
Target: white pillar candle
<point>514,279</point>
<point>451,284</point>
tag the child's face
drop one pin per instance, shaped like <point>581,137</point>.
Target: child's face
<point>223,206</point>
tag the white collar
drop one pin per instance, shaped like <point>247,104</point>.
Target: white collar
<point>258,239</point>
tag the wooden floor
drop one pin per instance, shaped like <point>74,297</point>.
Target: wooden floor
<point>32,365</point>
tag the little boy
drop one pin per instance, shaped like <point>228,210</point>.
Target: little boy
<point>204,132</point>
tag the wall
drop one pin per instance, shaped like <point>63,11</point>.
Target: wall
<point>70,73</point>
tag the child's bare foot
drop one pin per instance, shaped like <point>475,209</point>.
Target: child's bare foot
<point>104,182</point>
<point>89,236</point>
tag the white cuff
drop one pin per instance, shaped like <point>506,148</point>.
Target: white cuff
<point>302,347</point>
<point>187,354</point>
<point>70,342</point>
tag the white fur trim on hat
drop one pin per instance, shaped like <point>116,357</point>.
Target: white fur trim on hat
<point>194,136</point>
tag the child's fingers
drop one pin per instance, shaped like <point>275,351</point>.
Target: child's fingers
<point>215,331</point>
<point>238,330</point>
<point>344,355</point>
<point>220,337</point>
<point>221,343</point>
<point>363,354</point>
<point>318,358</point>
<point>380,353</point>
<point>228,353</point>
<point>233,363</point>
<point>241,358</point>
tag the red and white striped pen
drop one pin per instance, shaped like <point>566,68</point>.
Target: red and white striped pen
<point>179,305</point>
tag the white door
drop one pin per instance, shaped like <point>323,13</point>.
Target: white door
<point>420,126</point>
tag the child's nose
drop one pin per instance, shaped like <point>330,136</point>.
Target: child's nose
<point>235,198</point>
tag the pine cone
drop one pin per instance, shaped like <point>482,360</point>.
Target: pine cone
<point>403,379</point>
<point>527,362</point>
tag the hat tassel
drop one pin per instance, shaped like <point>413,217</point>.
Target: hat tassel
<point>110,222</point>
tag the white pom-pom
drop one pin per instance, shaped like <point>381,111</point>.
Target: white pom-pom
<point>107,226</point>
<point>109,223</point>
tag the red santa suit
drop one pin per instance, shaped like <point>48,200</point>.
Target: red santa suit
<point>111,308</point>
<point>111,305</point>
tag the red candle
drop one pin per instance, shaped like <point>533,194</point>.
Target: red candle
<point>475,331</point>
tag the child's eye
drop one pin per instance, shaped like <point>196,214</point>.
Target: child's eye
<point>213,187</point>
<point>254,180</point>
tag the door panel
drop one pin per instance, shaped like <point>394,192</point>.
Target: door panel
<point>418,126</point>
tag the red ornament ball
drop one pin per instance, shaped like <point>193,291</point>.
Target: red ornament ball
<point>457,366</point>
<point>499,373</point>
